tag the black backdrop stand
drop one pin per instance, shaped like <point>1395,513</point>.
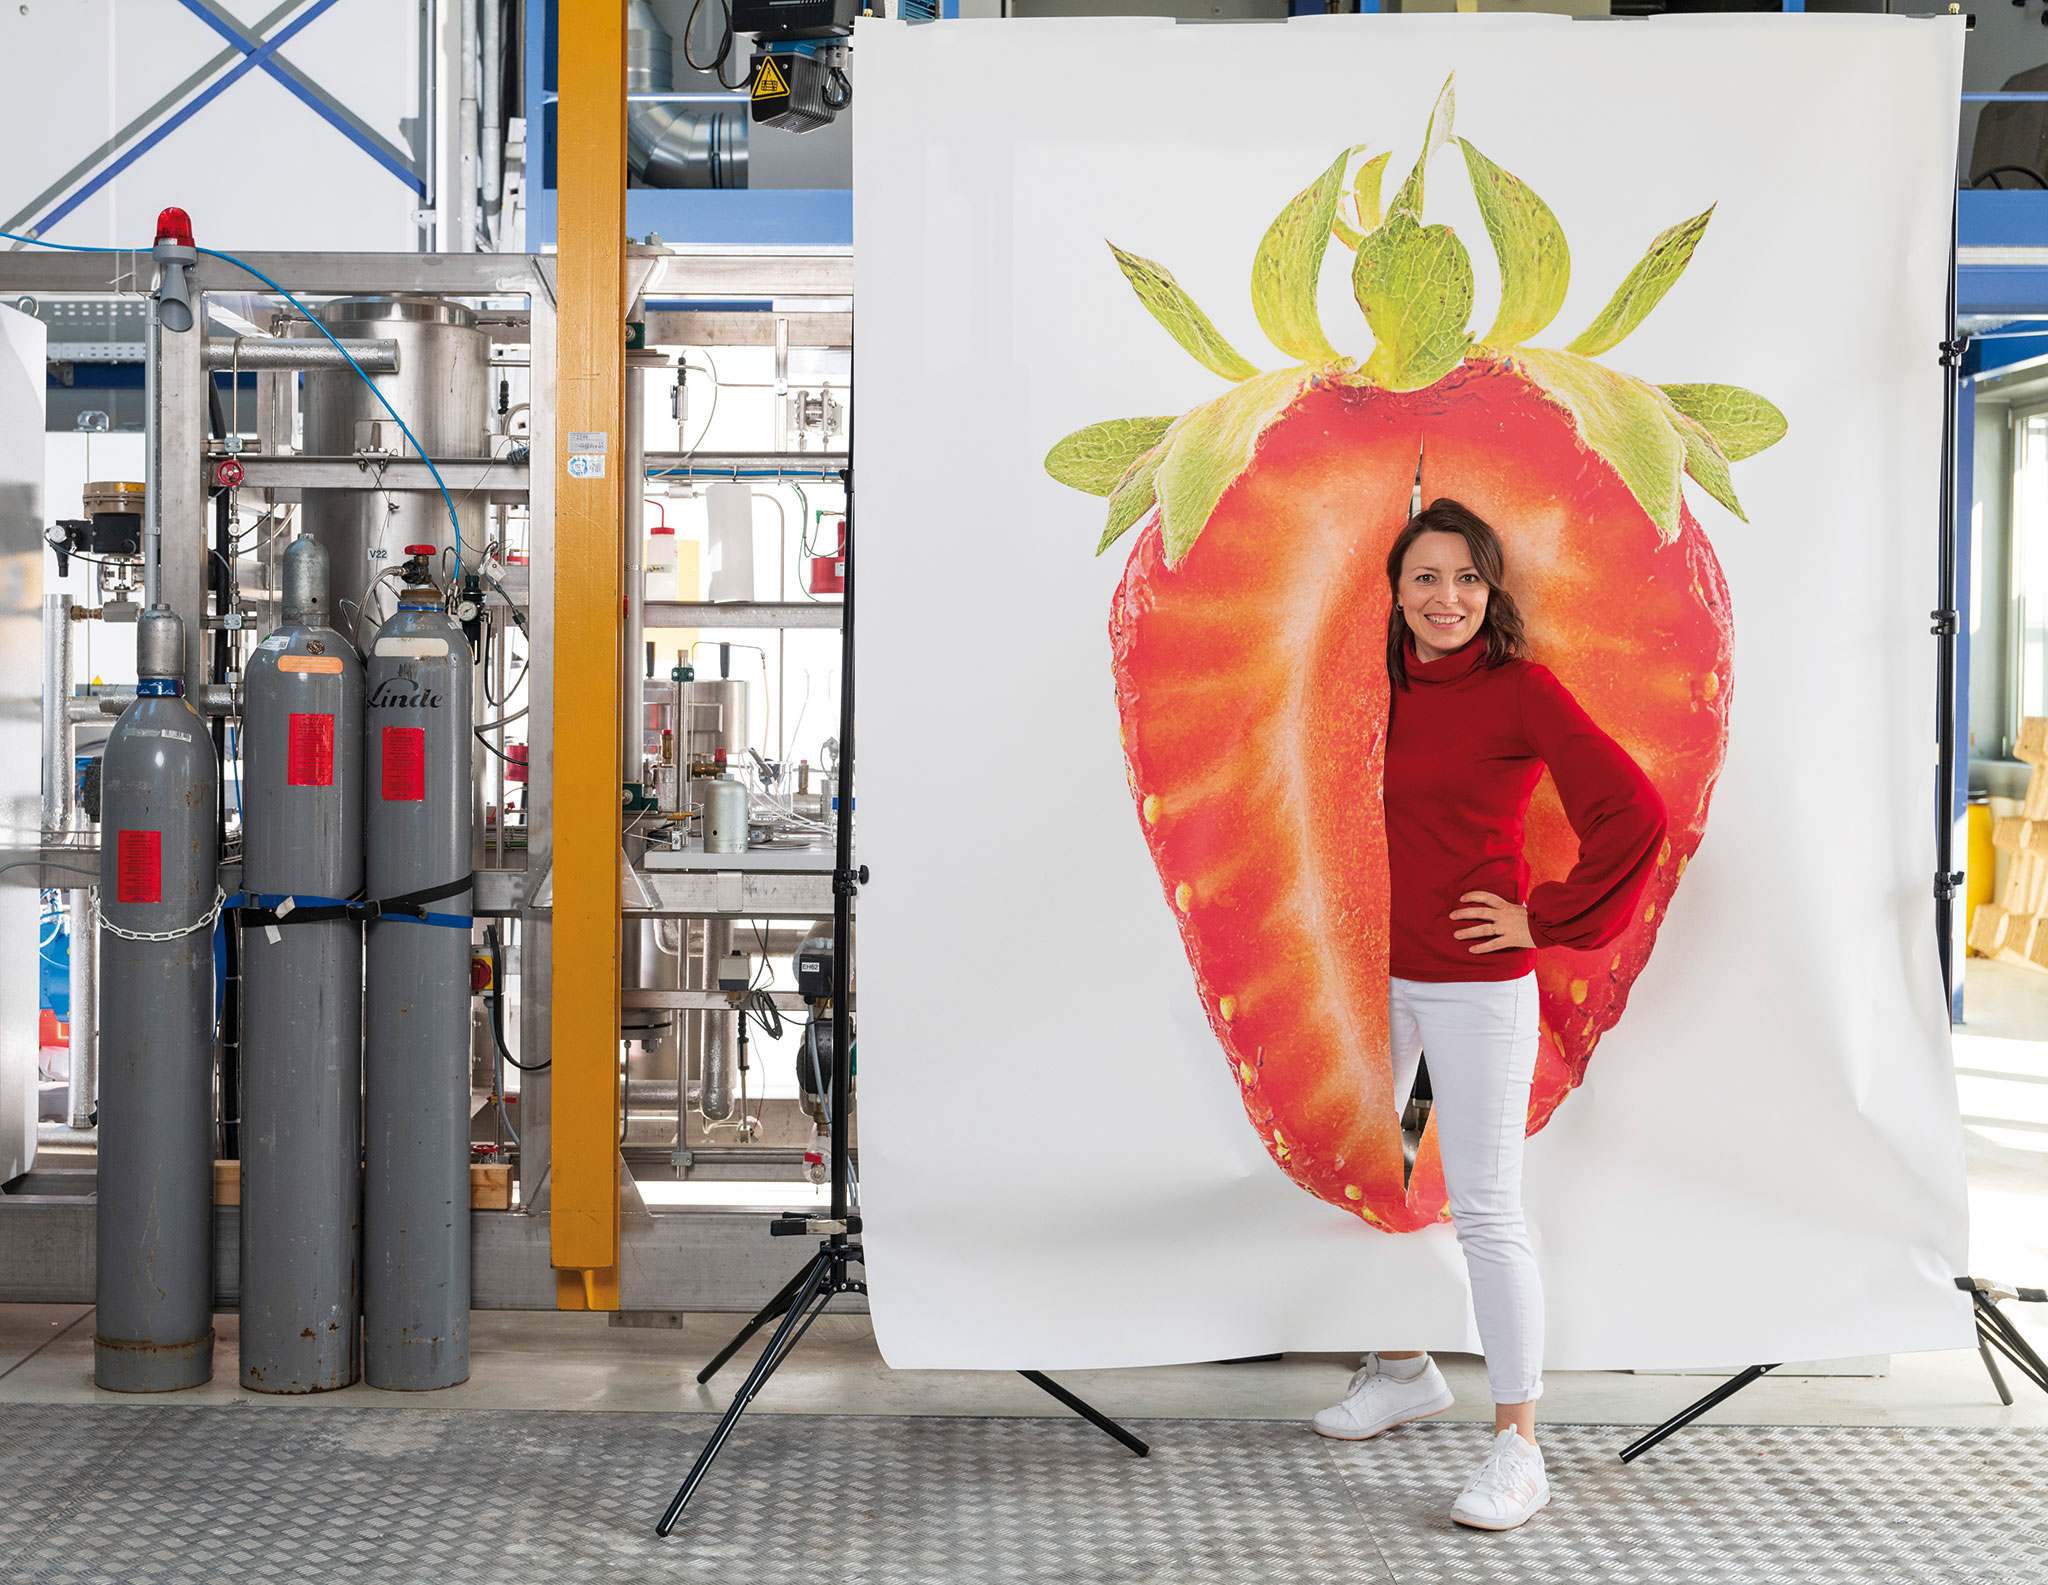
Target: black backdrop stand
<point>1993,1329</point>
<point>804,1297</point>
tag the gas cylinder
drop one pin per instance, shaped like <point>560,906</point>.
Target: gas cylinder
<point>416,995</point>
<point>302,981</point>
<point>156,904</point>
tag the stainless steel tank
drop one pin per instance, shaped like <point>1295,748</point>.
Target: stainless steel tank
<point>442,389</point>
<point>416,1000</point>
<point>302,1052</point>
<point>153,1326</point>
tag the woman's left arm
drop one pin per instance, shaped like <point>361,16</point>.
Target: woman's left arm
<point>1611,805</point>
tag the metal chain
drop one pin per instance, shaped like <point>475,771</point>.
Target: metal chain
<point>204,922</point>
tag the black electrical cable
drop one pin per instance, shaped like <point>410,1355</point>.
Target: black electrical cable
<point>2000,170</point>
<point>762,1009</point>
<point>497,1004</point>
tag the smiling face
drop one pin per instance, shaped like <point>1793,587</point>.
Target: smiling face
<point>1442,595</point>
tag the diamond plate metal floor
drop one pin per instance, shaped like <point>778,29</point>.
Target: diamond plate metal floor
<point>172,1495</point>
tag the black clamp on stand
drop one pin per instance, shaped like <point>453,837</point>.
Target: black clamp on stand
<point>1995,1331</point>
<point>804,1297</point>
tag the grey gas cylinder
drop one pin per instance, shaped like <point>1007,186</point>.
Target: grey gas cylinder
<point>302,1032</point>
<point>159,856</point>
<point>416,999</point>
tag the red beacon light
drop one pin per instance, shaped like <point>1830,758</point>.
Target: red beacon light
<point>175,226</point>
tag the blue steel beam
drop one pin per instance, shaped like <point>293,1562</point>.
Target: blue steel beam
<point>119,140</point>
<point>249,64</point>
<point>309,93</point>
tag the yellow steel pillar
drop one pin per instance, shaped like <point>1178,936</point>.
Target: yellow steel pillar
<point>590,166</point>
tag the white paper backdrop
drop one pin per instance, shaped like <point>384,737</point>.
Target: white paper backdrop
<point>1765,1161</point>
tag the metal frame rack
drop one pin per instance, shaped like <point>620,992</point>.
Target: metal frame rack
<point>580,1237</point>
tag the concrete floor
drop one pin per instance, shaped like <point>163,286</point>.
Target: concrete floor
<point>574,1361</point>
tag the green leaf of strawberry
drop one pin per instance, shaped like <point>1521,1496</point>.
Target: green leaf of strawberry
<point>1706,463</point>
<point>1625,420</point>
<point>1133,496</point>
<point>1741,422</point>
<point>1365,202</point>
<point>1434,137</point>
<point>1654,275</point>
<point>1166,302</point>
<point>1095,459</point>
<point>1212,448</point>
<point>1415,284</point>
<point>1289,264</point>
<point>1535,262</point>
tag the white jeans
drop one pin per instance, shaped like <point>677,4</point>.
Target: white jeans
<point>1480,1037</point>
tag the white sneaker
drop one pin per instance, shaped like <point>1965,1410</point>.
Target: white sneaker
<point>1509,1488</point>
<point>1376,1402</point>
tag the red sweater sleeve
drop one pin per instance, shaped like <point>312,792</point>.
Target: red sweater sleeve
<point>1611,805</point>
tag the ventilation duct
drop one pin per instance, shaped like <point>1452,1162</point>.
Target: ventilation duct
<point>676,145</point>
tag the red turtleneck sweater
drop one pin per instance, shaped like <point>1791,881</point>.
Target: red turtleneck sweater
<point>1466,745</point>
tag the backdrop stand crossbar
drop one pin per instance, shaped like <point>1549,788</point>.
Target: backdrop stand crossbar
<point>804,1297</point>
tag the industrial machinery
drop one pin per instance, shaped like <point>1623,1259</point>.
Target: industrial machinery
<point>418,455</point>
<point>156,902</point>
<point>302,980</point>
<point>110,537</point>
<point>416,994</point>
<point>442,388</point>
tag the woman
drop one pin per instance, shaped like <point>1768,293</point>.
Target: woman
<point>1471,726</point>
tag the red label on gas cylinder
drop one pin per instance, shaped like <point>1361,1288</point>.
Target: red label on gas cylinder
<point>309,759</point>
<point>139,867</point>
<point>405,764</point>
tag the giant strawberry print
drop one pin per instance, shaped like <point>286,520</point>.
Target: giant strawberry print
<point>1248,631</point>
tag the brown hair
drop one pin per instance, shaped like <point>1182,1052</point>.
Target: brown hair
<point>1502,625</point>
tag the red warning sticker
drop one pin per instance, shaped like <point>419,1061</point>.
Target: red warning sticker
<point>405,764</point>
<point>139,867</point>
<point>309,758</point>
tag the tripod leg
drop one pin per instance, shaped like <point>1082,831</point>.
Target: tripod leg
<point>1086,1411</point>
<point>1691,1412</point>
<point>1995,1327</point>
<point>814,1277</point>
<point>777,1306</point>
<point>1997,1378</point>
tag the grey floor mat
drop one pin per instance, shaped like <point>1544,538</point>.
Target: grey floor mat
<point>163,1493</point>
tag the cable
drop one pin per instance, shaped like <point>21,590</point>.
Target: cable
<point>498,1014</point>
<point>26,864</point>
<point>241,264</point>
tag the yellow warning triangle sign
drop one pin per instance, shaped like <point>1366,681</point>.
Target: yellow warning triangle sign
<point>768,82</point>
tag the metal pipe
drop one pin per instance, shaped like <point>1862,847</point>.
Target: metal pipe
<point>57,768</point>
<point>266,354</point>
<point>215,698</point>
<point>721,1033</point>
<point>466,134</point>
<point>85,1010</point>
<point>493,130</point>
<point>671,145</point>
<point>152,458</point>
<point>632,696</point>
